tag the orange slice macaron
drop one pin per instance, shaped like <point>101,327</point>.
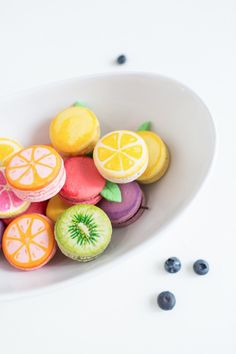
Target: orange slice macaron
<point>28,242</point>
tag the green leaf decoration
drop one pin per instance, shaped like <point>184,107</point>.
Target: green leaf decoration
<point>144,126</point>
<point>111,192</point>
<point>79,104</point>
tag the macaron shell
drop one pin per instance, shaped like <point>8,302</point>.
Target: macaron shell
<point>158,157</point>
<point>75,131</point>
<point>134,218</point>
<point>28,242</point>
<point>70,245</point>
<point>38,207</point>
<point>83,181</point>
<point>33,168</point>
<point>72,201</point>
<point>121,156</point>
<point>132,197</point>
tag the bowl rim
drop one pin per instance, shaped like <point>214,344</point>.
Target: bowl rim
<point>168,222</point>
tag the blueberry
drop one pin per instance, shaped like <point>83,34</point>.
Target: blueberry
<point>172,265</point>
<point>121,59</point>
<point>166,300</point>
<point>201,267</point>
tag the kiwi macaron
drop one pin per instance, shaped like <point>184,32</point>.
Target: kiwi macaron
<point>83,232</point>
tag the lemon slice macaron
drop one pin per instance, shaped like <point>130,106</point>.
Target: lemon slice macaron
<point>121,156</point>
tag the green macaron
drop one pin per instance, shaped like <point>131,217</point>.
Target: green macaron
<point>83,232</point>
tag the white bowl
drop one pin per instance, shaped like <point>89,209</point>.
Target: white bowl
<point>120,101</point>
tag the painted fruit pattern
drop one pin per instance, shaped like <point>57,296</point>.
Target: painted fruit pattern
<point>34,167</point>
<point>28,242</point>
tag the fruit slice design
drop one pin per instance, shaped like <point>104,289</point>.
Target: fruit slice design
<point>33,168</point>
<point>28,242</point>
<point>121,154</point>
<point>83,232</point>
<point>10,204</point>
<point>8,148</point>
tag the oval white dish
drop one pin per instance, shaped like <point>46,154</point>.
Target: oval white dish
<point>121,101</point>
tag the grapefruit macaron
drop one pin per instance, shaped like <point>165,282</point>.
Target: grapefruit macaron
<point>36,173</point>
<point>83,181</point>
<point>28,242</point>
<point>10,204</point>
<point>37,207</point>
<point>75,131</point>
<point>129,209</point>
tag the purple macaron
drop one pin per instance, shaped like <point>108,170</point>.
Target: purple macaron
<point>129,210</point>
<point>2,228</point>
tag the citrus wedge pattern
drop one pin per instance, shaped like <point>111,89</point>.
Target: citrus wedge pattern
<point>121,154</point>
<point>28,242</point>
<point>33,168</point>
<point>10,204</point>
<point>8,148</point>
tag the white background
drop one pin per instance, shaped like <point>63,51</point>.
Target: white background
<point>116,312</point>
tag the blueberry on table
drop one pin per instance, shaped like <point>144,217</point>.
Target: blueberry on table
<point>121,59</point>
<point>172,265</point>
<point>201,267</point>
<point>166,300</point>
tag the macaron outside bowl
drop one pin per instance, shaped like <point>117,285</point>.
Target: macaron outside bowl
<point>121,101</point>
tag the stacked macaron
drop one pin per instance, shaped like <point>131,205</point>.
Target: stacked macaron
<point>83,183</point>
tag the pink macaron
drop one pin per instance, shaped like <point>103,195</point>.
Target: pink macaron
<point>83,181</point>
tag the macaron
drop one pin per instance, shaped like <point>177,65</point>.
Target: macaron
<point>10,204</point>
<point>28,242</point>
<point>38,207</point>
<point>2,228</point>
<point>8,147</point>
<point>83,232</point>
<point>56,206</point>
<point>121,156</point>
<point>129,210</point>
<point>75,131</point>
<point>83,183</point>
<point>36,173</point>
<point>158,161</point>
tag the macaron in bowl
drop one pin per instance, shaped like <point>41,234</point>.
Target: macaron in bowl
<point>36,173</point>
<point>129,209</point>
<point>75,131</point>
<point>159,158</point>
<point>37,207</point>
<point>28,242</point>
<point>121,156</point>
<point>83,183</point>
<point>56,206</point>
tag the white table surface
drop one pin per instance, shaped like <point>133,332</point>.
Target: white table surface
<point>116,312</point>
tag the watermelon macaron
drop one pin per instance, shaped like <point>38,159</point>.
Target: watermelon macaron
<point>36,173</point>
<point>129,209</point>
<point>83,181</point>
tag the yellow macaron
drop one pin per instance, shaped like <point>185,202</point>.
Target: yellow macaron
<point>158,157</point>
<point>121,156</point>
<point>75,131</point>
<point>56,206</point>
